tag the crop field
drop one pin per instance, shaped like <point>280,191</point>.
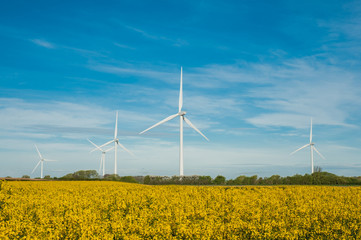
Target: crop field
<point>113,210</point>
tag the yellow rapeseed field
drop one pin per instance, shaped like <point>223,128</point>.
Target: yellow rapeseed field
<point>113,210</point>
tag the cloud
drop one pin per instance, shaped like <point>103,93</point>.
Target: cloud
<point>133,71</point>
<point>124,46</point>
<point>39,120</point>
<point>43,43</point>
<point>312,89</point>
<point>175,42</point>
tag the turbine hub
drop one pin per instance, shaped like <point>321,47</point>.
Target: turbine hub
<point>312,144</point>
<point>182,113</point>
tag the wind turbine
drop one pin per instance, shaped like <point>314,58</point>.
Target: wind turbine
<point>102,159</point>
<point>41,162</point>
<point>182,118</point>
<point>116,143</point>
<point>312,147</point>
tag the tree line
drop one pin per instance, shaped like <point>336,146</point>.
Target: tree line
<point>316,178</point>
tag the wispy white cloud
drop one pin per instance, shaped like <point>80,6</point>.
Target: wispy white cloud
<point>175,42</point>
<point>39,120</point>
<point>312,89</point>
<point>43,43</point>
<point>132,71</point>
<point>124,46</point>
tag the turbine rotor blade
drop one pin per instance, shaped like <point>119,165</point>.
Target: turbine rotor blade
<point>194,127</point>
<point>125,149</point>
<point>36,167</point>
<point>49,160</point>
<point>300,148</point>
<point>109,149</point>
<point>159,123</point>
<point>319,153</point>
<point>181,91</point>
<point>107,143</point>
<point>38,151</point>
<point>95,146</point>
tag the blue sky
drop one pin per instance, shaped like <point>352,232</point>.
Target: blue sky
<point>254,75</point>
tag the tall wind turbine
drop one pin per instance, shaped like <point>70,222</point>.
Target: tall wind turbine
<point>182,118</point>
<point>312,147</point>
<point>41,162</point>
<point>116,143</point>
<point>102,159</point>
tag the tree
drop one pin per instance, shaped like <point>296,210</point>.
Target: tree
<point>147,179</point>
<point>219,180</point>
<point>128,179</point>
<point>204,180</point>
<point>25,176</point>
<point>47,177</point>
<point>82,175</point>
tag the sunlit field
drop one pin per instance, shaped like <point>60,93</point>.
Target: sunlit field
<point>113,210</point>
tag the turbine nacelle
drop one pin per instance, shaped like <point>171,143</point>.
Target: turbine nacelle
<point>182,113</point>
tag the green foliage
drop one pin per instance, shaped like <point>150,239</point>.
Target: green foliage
<point>128,179</point>
<point>81,175</point>
<point>115,177</point>
<point>317,178</point>
<point>146,179</point>
<point>47,177</point>
<point>184,180</point>
<point>219,180</point>
<point>25,176</point>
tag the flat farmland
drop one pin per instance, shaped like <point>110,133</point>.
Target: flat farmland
<point>113,210</point>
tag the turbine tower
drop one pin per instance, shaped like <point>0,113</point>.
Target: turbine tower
<point>41,162</point>
<point>312,147</point>
<point>116,143</point>
<point>182,118</point>
<point>102,159</point>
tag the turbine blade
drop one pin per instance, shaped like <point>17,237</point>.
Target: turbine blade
<point>107,143</point>
<point>36,167</point>
<point>109,149</point>
<point>181,91</point>
<point>95,146</point>
<point>38,151</point>
<point>49,160</point>
<point>125,149</point>
<point>319,153</point>
<point>159,123</point>
<point>300,148</point>
<point>194,127</point>
<point>311,132</point>
<point>116,126</point>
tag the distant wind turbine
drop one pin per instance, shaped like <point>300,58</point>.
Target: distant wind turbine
<point>102,159</point>
<point>116,143</point>
<point>312,147</point>
<point>41,162</point>
<point>182,118</point>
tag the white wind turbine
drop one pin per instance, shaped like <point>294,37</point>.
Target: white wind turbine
<point>182,118</point>
<point>102,159</point>
<point>312,147</point>
<point>116,143</point>
<point>41,162</point>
